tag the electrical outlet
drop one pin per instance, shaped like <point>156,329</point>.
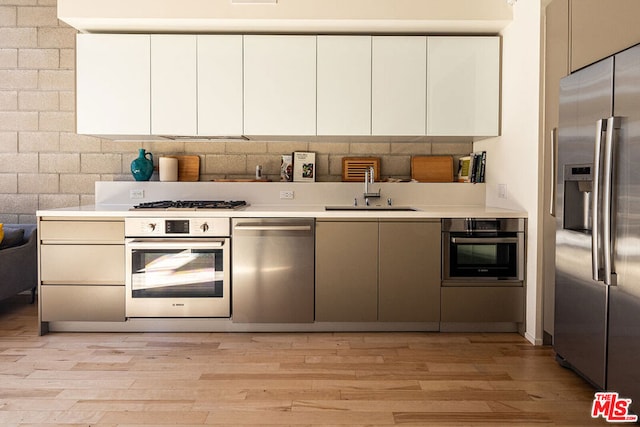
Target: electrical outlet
<point>286,194</point>
<point>136,194</point>
<point>502,191</point>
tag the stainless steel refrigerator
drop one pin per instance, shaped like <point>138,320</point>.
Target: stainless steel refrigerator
<point>597,300</point>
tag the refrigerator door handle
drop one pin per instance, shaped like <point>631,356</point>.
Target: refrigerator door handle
<point>596,233</point>
<point>553,180</point>
<point>613,125</point>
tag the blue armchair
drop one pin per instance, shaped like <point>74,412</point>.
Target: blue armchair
<point>19,264</point>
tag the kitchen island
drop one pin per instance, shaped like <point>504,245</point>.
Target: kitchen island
<point>84,256</point>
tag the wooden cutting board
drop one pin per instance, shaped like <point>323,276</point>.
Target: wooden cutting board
<point>188,168</point>
<point>432,168</point>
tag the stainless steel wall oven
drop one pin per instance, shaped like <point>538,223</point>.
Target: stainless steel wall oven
<point>475,251</point>
<point>177,267</point>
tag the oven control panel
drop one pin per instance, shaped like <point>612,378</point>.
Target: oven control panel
<point>176,227</point>
<point>482,225</point>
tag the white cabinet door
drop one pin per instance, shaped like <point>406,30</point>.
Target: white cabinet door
<point>463,86</point>
<point>399,85</point>
<point>173,85</point>
<point>112,84</point>
<point>344,85</point>
<point>219,85</point>
<point>279,85</point>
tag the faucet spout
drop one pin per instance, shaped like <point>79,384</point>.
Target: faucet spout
<point>369,178</point>
<point>366,181</point>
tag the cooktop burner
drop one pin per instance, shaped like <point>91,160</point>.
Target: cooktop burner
<point>192,204</point>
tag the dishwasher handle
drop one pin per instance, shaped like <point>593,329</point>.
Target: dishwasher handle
<point>272,227</point>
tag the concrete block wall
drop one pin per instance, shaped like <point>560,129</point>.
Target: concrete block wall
<point>44,164</point>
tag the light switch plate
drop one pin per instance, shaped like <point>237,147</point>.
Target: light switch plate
<point>286,194</point>
<point>502,191</point>
<point>136,194</point>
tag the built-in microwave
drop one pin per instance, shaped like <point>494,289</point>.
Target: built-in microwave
<point>480,250</point>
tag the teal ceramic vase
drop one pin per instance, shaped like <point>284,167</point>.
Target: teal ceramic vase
<point>142,166</point>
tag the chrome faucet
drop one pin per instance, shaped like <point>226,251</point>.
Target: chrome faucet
<point>369,178</point>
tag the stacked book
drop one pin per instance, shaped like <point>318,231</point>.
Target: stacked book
<point>471,168</point>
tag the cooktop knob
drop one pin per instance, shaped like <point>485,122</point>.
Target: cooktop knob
<point>150,227</point>
<point>204,227</point>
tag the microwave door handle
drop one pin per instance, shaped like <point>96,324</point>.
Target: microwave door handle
<point>596,236</point>
<point>553,180</point>
<point>613,125</point>
<point>483,240</point>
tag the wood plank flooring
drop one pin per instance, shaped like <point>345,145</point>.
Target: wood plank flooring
<point>278,379</point>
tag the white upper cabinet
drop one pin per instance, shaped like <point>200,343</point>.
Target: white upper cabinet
<point>300,85</point>
<point>463,86</point>
<point>113,84</point>
<point>196,85</point>
<point>279,85</point>
<point>219,85</point>
<point>399,85</point>
<point>173,85</point>
<point>344,85</point>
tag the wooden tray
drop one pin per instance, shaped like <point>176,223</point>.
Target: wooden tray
<point>432,168</point>
<point>353,168</point>
<point>188,168</point>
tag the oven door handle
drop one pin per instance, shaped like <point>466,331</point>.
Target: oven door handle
<point>483,240</point>
<point>181,244</point>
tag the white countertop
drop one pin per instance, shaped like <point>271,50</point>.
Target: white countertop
<point>432,200</point>
<point>289,211</point>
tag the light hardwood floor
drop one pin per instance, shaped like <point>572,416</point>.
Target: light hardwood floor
<point>277,379</point>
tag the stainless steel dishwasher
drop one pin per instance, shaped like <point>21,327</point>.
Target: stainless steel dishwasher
<point>273,270</point>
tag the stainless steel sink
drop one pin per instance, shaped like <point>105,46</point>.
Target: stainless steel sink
<point>369,208</point>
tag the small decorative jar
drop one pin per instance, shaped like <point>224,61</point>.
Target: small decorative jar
<point>142,166</point>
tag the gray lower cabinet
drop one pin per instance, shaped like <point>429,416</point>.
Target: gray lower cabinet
<point>83,303</point>
<point>82,265</point>
<point>370,270</point>
<point>346,271</point>
<point>409,271</point>
<point>483,304</point>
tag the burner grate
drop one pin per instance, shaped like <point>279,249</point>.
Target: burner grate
<point>192,204</point>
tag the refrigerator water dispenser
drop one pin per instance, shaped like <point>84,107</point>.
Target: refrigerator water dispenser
<point>578,186</point>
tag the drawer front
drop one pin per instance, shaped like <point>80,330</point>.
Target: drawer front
<point>482,304</point>
<point>82,303</point>
<point>82,231</point>
<point>82,264</point>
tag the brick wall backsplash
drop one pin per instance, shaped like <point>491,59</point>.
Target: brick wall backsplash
<point>44,164</point>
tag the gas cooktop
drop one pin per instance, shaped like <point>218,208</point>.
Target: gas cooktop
<point>190,204</point>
